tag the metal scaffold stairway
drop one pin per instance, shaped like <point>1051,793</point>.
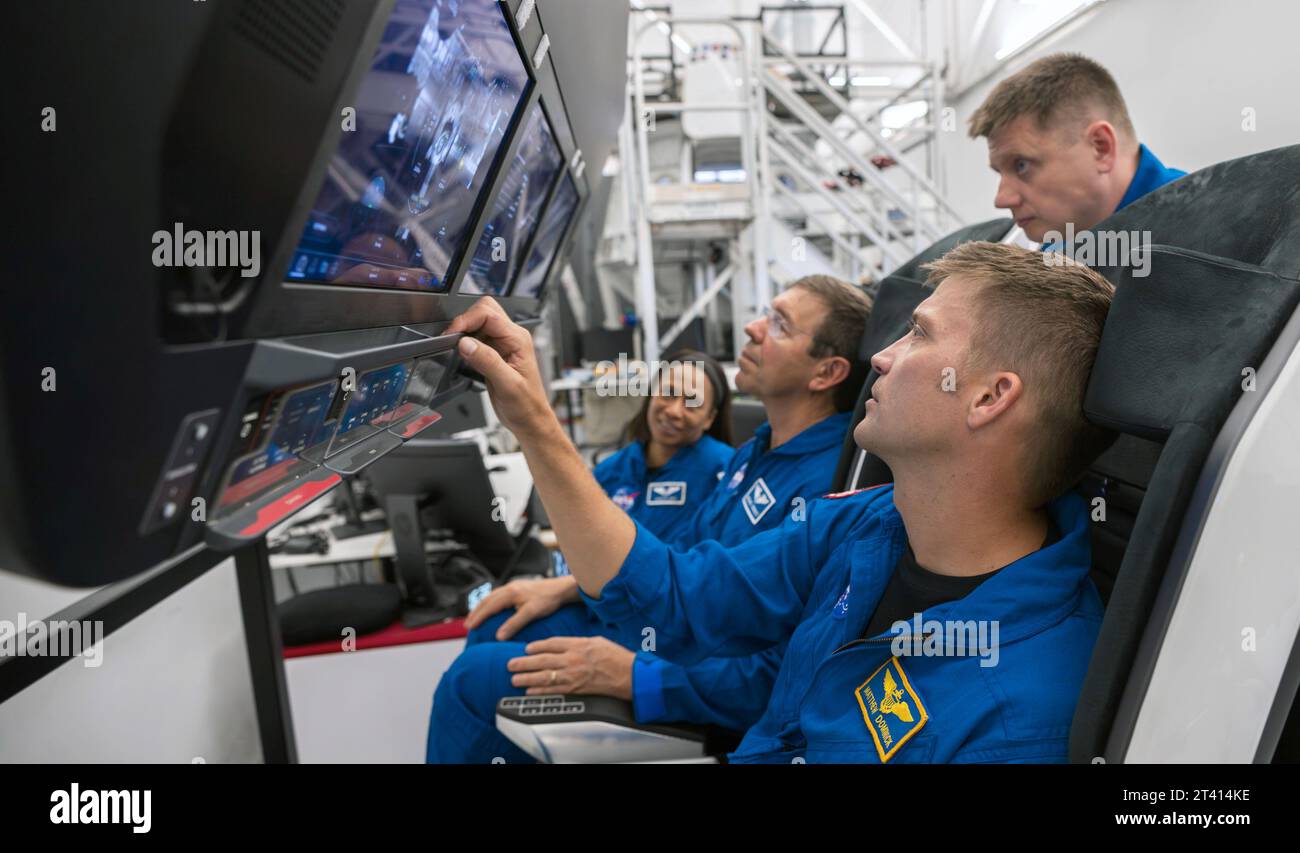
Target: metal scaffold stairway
<point>818,185</point>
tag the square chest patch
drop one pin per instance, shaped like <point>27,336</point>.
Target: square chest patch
<point>891,708</point>
<point>757,501</point>
<point>666,493</point>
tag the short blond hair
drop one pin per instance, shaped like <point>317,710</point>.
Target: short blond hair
<point>1054,90</point>
<point>1041,318</point>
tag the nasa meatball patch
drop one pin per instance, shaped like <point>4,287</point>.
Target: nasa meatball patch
<point>625,498</point>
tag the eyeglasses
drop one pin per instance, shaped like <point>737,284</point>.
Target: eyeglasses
<point>777,325</point>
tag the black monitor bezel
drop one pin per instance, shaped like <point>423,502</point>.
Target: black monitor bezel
<point>503,170</point>
<point>560,246</point>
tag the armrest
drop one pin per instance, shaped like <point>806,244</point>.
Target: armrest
<point>598,729</point>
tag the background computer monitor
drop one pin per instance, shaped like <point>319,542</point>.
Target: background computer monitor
<point>598,345</point>
<point>430,484</point>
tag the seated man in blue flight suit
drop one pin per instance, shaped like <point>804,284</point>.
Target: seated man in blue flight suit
<point>1064,148</point>
<point>948,617</point>
<point>801,362</point>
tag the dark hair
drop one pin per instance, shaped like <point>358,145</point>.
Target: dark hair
<point>638,429</point>
<point>847,310</point>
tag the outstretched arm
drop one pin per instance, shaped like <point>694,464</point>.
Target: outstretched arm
<point>595,534</point>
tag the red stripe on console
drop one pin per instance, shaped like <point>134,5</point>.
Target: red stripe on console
<point>420,423</point>
<point>257,482</point>
<point>298,498</point>
<point>396,634</point>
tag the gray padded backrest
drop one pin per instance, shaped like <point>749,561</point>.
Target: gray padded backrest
<point>1168,372</point>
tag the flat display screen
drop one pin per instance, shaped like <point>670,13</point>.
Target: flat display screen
<point>288,425</point>
<point>517,208</point>
<point>554,225</point>
<point>423,383</point>
<point>397,205</point>
<point>377,394</point>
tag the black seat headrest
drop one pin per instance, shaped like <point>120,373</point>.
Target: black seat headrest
<point>1246,210</point>
<point>897,297</point>
<point>1180,343</point>
<point>904,288</point>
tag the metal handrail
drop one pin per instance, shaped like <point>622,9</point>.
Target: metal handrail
<point>851,193</point>
<point>802,172</point>
<point>881,237</point>
<point>646,307</point>
<point>697,307</point>
<point>835,237</point>
<point>843,107</point>
<point>812,119</point>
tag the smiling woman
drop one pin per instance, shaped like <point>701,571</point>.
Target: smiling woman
<point>691,400</point>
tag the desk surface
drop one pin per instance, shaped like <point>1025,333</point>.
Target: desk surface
<point>572,384</point>
<point>396,634</point>
<point>510,481</point>
<point>357,549</point>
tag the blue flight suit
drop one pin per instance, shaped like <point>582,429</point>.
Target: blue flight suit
<point>678,489</point>
<point>757,491</point>
<point>843,697</point>
<point>1151,175</point>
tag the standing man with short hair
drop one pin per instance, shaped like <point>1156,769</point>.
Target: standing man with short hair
<point>1064,148</point>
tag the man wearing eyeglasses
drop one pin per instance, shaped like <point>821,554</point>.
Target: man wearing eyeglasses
<point>802,363</point>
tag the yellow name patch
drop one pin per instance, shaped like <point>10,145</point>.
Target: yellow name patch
<point>891,708</point>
